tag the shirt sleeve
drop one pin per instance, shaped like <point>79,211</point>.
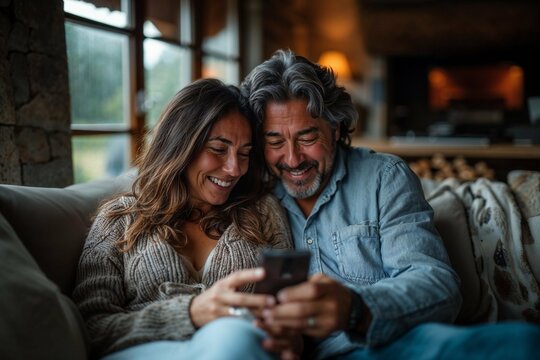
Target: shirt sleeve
<point>101,297</point>
<point>420,285</point>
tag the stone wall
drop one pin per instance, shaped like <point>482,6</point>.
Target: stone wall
<point>35,141</point>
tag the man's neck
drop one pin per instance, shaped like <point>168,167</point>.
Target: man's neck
<point>306,205</point>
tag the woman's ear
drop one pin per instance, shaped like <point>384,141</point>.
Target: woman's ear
<point>337,132</point>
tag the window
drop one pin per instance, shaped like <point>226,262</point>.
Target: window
<point>220,40</point>
<point>168,52</point>
<point>127,58</point>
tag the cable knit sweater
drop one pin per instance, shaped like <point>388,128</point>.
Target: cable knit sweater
<point>143,295</point>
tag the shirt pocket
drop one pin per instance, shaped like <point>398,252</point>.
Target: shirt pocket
<point>359,253</point>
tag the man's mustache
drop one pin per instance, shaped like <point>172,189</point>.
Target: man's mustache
<point>302,166</point>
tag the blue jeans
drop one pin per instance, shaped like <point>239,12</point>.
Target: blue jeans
<point>510,340</point>
<point>223,339</point>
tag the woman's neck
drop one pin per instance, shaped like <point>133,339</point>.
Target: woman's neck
<point>198,245</point>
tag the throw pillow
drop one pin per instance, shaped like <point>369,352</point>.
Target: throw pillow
<point>526,188</point>
<point>36,321</point>
<point>451,222</point>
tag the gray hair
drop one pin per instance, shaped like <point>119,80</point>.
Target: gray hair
<point>286,76</point>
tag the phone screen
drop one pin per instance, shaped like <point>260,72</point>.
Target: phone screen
<point>283,268</point>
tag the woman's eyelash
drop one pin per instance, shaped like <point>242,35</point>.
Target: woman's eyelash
<point>221,151</point>
<point>218,150</point>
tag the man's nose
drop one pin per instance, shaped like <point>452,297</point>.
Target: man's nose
<point>232,165</point>
<point>293,157</point>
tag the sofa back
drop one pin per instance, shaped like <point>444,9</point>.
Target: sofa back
<point>52,223</point>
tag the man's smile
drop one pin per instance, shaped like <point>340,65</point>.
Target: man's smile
<point>299,173</point>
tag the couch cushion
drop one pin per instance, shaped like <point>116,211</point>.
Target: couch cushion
<point>36,321</point>
<point>451,222</point>
<point>52,223</point>
<point>526,188</point>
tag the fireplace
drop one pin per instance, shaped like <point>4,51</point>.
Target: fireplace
<point>457,68</point>
<point>463,96</point>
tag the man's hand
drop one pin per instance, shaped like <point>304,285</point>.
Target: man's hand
<point>317,307</point>
<point>288,343</point>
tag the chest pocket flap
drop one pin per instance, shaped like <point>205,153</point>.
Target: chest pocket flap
<point>359,253</point>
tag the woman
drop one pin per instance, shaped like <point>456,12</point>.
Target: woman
<point>165,260</point>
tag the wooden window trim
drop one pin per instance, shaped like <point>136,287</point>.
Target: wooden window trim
<point>136,127</point>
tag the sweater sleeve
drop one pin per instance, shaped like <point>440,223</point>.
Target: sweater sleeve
<point>101,297</point>
<point>276,225</point>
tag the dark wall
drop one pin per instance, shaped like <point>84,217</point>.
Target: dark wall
<point>409,27</point>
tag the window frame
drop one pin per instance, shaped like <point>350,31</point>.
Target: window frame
<point>136,128</point>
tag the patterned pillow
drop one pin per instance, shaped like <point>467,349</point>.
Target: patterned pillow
<point>479,304</point>
<point>526,188</point>
<point>499,235</point>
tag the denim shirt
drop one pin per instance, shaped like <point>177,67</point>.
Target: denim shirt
<point>372,230</point>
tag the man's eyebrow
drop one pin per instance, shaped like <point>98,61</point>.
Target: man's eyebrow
<point>300,133</point>
<point>271,133</point>
<point>309,130</point>
<point>227,141</point>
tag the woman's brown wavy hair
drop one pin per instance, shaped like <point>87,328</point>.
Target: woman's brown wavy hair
<point>160,190</point>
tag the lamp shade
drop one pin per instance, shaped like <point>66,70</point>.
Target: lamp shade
<point>338,62</point>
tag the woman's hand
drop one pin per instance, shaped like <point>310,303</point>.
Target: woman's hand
<point>218,299</point>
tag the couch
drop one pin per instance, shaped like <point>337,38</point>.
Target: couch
<point>42,231</point>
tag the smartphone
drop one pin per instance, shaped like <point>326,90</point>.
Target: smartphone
<point>283,268</point>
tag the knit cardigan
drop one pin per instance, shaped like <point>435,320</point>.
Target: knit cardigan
<point>143,295</point>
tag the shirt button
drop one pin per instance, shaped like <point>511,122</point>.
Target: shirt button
<point>310,241</point>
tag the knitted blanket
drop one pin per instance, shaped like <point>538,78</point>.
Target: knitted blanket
<point>500,237</point>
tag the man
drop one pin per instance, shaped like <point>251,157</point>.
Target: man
<point>381,273</point>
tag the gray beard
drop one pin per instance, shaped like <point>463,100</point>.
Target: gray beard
<point>306,192</point>
<point>312,189</point>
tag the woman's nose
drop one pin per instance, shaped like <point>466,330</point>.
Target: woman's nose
<point>232,165</point>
